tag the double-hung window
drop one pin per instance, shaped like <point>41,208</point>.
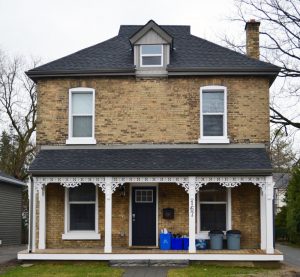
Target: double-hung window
<point>213,115</point>
<point>151,55</point>
<point>81,212</point>
<point>214,208</point>
<point>81,116</point>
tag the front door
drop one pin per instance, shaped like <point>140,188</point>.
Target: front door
<point>144,216</point>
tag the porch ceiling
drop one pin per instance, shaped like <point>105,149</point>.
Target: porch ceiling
<point>155,161</point>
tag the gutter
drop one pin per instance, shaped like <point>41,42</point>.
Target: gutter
<point>11,181</point>
<point>102,72</point>
<point>238,172</point>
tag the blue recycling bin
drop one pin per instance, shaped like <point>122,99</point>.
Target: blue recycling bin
<point>176,243</point>
<point>165,241</point>
<point>185,243</point>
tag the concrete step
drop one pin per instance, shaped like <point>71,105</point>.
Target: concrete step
<point>125,263</point>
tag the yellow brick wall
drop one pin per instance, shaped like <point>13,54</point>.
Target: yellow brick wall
<point>245,215</point>
<point>130,110</point>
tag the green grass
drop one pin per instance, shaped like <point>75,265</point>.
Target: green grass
<point>215,271</point>
<point>87,269</point>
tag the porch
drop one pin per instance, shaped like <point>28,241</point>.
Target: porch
<point>106,225</point>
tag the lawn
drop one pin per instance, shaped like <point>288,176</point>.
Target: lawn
<point>198,270</point>
<point>87,269</point>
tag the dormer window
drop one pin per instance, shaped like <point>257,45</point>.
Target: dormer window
<point>151,55</point>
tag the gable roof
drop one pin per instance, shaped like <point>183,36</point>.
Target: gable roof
<point>152,161</point>
<point>190,55</point>
<point>146,28</point>
<point>9,179</point>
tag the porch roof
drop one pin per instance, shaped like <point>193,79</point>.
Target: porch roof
<point>155,161</point>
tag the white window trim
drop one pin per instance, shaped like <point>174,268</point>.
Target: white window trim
<point>204,234</point>
<point>152,55</point>
<point>214,139</point>
<point>81,140</point>
<point>80,235</point>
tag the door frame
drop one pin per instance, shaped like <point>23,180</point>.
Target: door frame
<point>131,185</point>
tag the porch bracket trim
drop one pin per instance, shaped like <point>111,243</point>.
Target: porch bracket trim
<point>226,181</point>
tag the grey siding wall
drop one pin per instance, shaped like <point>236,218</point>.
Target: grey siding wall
<point>10,213</point>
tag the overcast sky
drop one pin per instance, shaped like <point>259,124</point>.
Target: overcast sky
<point>50,29</point>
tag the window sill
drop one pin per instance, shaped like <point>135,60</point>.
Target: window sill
<point>213,140</point>
<point>81,141</point>
<point>81,236</point>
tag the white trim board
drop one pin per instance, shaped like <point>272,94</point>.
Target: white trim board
<point>169,256</point>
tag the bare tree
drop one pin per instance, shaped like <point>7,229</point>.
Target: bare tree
<point>18,109</point>
<point>280,44</point>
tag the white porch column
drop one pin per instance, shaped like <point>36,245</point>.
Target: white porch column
<point>269,215</point>
<point>108,216</point>
<point>34,218</point>
<point>42,217</point>
<point>263,225</point>
<point>192,214</point>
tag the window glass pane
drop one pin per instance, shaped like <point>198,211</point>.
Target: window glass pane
<point>143,196</point>
<point>82,217</point>
<point>213,102</point>
<point>82,126</point>
<point>212,125</point>
<point>152,60</point>
<point>82,103</point>
<point>151,49</point>
<point>85,192</point>
<point>213,192</point>
<point>213,216</point>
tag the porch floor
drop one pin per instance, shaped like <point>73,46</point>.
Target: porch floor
<point>124,250</point>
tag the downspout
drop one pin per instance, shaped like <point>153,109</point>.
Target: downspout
<point>30,195</point>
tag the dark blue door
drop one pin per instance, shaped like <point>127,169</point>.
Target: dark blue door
<point>144,216</point>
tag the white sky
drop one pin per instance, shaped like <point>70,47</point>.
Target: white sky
<point>50,29</point>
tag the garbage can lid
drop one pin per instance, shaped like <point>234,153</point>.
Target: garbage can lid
<point>215,232</point>
<point>233,232</point>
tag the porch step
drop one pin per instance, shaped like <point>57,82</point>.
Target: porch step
<point>125,263</point>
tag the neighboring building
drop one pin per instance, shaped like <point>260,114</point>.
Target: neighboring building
<point>10,210</point>
<point>281,181</point>
<point>152,119</point>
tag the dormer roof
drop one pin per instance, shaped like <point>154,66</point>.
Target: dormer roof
<point>151,25</point>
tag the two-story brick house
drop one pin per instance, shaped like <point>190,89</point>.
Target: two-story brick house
<point>150,119</point>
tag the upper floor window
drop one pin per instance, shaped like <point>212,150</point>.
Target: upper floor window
<point>213,115</point>
<point>81,116</point>
<point>151,55</point>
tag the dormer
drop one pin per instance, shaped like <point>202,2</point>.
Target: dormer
<point>151,45</point>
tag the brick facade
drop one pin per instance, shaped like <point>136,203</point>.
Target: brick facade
<point>166,110</point>
<point>245,215</point>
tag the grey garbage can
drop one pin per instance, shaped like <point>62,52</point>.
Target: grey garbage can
<point>216,239</point>
<point>233,239</point>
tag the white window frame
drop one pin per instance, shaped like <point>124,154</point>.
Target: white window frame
<point>204,234</point>
<point>213,139</point>
<point>81,140</point>
<point>152,55</point>
<point>80,234</point>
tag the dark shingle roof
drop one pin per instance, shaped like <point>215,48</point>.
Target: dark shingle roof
<point>281,180</point>
<point>152,161</point>
<point>9,179</point>
<point>190,53</point>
